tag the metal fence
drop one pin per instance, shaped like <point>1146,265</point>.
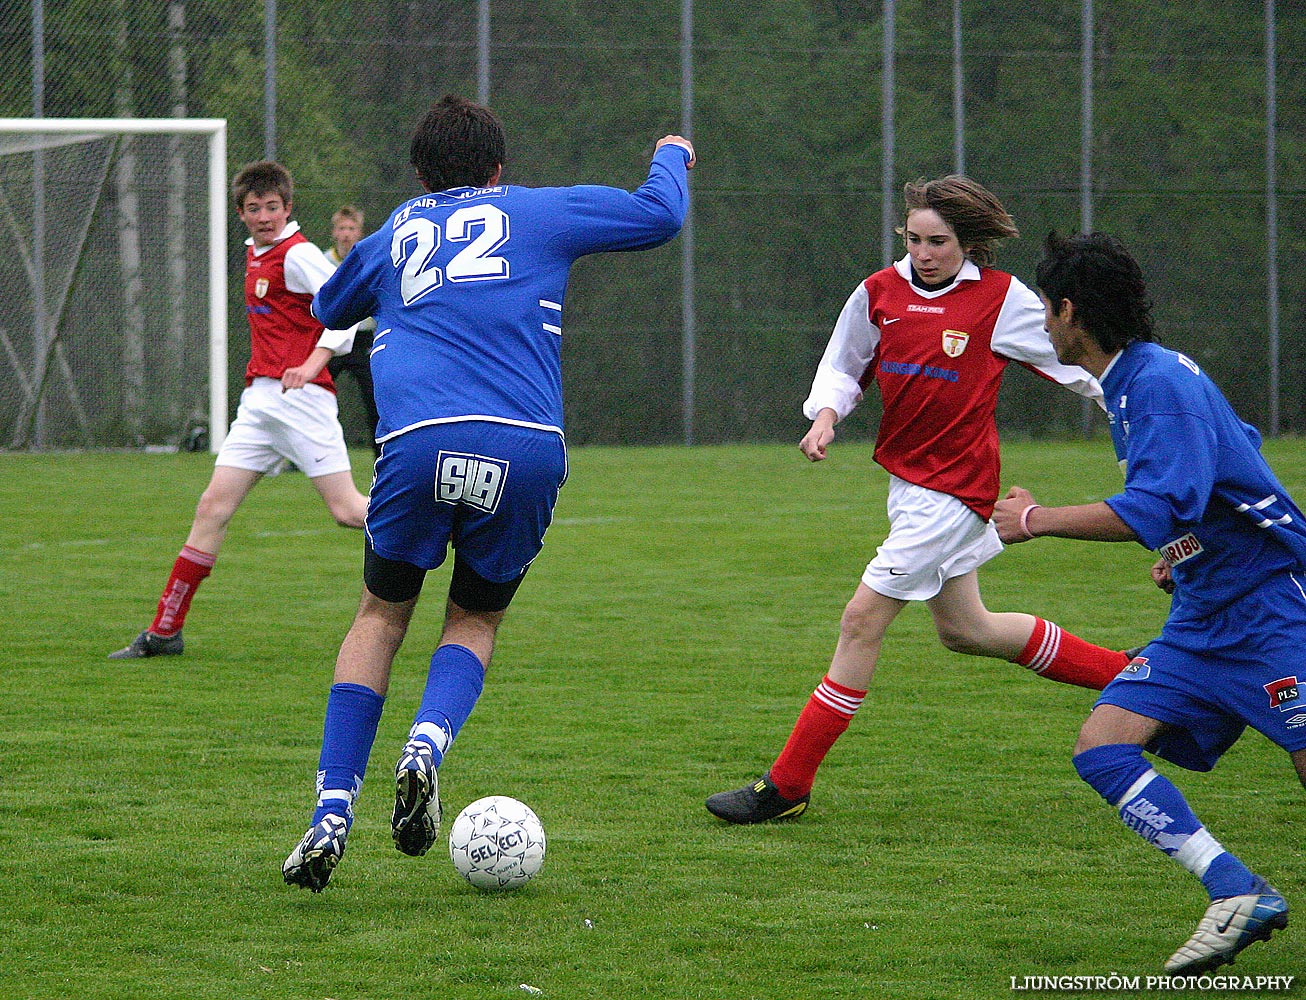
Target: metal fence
<point>1175,125</point>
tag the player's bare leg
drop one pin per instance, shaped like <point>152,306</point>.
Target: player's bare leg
<point>866,619</point>
<point>346,504</point>
<point>369,648</point>
<point>965,625</point>
<point>475,630</point>
<point>784,791</point>
<point>1299,762</point>
<point>226,491</point>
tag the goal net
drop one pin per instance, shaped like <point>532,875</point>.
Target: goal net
<point>114,333</point>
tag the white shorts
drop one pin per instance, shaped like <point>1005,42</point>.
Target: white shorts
<point>273,427</point>
<point>933,537</point>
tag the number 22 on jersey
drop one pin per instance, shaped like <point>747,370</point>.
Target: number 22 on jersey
<point>484,228</point>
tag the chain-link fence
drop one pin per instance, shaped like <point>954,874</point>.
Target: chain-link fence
<point>787,103</point>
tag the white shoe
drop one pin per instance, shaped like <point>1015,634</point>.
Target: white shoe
<point>1230,925</point>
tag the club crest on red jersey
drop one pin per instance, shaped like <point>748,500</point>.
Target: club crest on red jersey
<point>954,342</point>
<point>261,287</point>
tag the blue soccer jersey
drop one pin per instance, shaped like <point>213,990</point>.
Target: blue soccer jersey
<point>467,289</point>
<point>1196,487</point>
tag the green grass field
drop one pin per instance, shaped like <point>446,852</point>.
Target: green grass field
<point>685,605</point>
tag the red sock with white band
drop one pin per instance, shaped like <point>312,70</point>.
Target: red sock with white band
<point>1059,656</point>
<point>191,567</point>
<point>822,721</point>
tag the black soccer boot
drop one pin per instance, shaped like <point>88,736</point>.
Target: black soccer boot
<point>755,803</point>
<point>149,644</point>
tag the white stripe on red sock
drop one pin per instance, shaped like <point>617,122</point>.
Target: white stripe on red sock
<point>838,701</point>
<point>1048,649</point>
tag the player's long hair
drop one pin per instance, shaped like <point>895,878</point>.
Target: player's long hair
<point>457,144</point>
<point>1103,281</point>
<point>971,209</point>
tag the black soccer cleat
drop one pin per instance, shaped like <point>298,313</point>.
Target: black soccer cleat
<point>415,824</point>
<point>755,803</point>
<point>149,644</point>
<point>316,855</point>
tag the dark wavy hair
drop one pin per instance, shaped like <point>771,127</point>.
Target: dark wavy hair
<point>262,178</point>
<point>457,144</point>
<point>971,209</point>
<point>1096,273</point>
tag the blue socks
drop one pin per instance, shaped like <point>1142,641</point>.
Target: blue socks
<point>453,685</point>
<point>352,714</point>
<point>1155,809</point>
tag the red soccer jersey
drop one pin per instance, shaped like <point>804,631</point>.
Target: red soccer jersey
<point>939,381</point>
<point>938,358</point>
<point>282,331</point>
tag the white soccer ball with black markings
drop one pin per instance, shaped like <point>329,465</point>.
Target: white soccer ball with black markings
<point>497,843</point>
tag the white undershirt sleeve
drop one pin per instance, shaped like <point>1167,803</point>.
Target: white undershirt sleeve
<point>852,345</point>
<point>1020,335</point>
<point>307,269</point>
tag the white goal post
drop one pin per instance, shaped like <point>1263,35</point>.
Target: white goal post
<point>116,279</point>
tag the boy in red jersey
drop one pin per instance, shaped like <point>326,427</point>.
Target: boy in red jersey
<point>289,350</point>
<point>935,332</point>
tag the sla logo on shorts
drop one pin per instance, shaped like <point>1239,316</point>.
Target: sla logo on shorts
<point>954,342</point>
<point>470,479</point>
<point>1285,693</point>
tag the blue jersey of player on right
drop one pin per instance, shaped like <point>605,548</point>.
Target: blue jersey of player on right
<point>467,288</point>
<point>1197,490</point>
<point>1233,550</point>
<point>1199,493</point>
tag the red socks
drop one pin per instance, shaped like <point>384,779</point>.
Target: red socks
<point>1050,653</point>
<point>191,567</point>
<point>822,721</point>
<point>1060,656</point>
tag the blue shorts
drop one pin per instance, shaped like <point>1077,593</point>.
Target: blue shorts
<point>488,489</point>
<point>1243,666</point>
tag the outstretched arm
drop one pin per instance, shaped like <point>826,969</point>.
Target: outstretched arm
<point>610,218</point>
<point>1019,518</point>
<point>1021,336</point>
<point>682,142</point>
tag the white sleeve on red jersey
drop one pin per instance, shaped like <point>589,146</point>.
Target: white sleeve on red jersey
<point>307,268</point>
<point>1021,336</point>
<point>847,356</point>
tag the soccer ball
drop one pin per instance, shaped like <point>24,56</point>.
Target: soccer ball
<point>497,843</point>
